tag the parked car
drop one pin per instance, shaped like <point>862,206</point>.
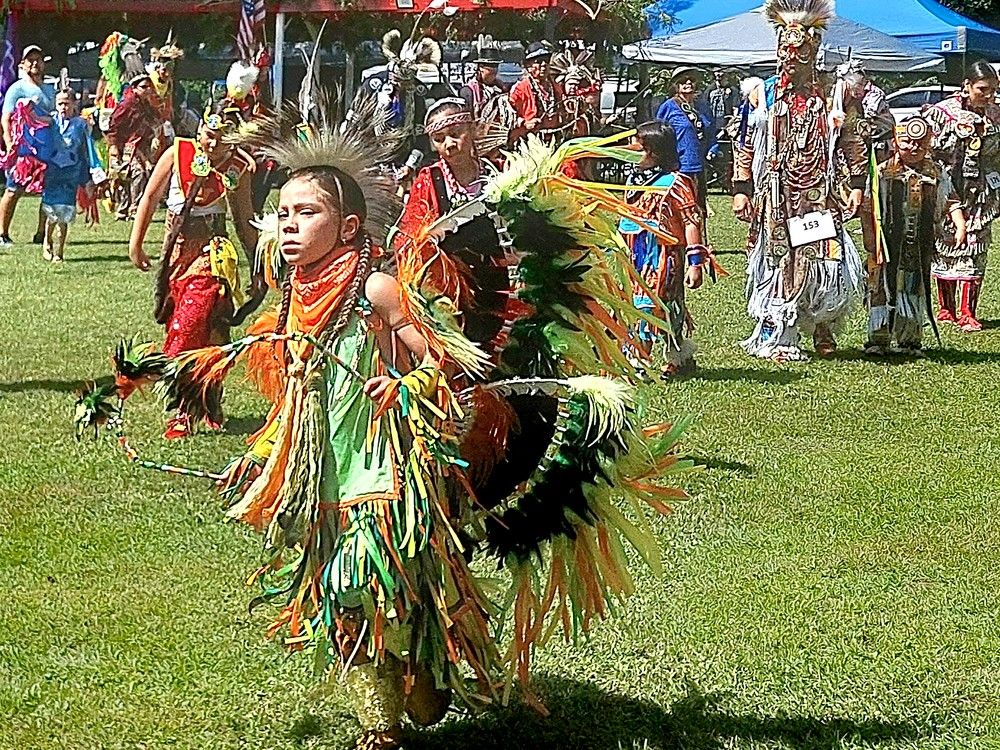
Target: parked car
<point>618,99</point>
<point>910,101</point>
<point>451,75</point>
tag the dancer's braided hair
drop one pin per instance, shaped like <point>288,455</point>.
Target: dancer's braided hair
<point>351,298</point>
<point>286,302</point>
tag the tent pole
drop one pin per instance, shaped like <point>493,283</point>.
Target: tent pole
<point>349,61</point>
<point>279,58</point>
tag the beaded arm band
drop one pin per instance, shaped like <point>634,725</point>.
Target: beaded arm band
<point>697,255</point>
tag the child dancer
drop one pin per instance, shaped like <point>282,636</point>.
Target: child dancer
<point>358,477</point>
<point>68,160</point>
<point>914,197</point>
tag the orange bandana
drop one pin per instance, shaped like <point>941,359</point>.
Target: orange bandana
<point>315,300</point>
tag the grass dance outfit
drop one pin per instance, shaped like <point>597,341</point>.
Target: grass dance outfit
<point>508,446</point>
<point>354,501</point>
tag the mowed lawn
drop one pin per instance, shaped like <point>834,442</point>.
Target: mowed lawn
<point>832,581</point>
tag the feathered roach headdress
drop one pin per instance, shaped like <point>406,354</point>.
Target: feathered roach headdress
<point>168,53</point>
<point>357,157</point>
<point>405,56</point>
<point>800,25</point>
<point>348,146</point>
<point>575,70</point>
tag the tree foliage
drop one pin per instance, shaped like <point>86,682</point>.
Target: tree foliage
<point>984,11</point>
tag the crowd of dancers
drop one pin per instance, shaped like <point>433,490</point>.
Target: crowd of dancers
<point>806,160</point>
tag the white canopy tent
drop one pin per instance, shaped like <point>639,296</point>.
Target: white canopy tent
<point>749,40</point>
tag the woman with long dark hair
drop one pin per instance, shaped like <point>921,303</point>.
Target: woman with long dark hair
<point>674,257</point>
<point>967,141</point>
<point>197,284</point>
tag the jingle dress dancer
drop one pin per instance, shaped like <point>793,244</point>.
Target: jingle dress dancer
<point>967,141</point>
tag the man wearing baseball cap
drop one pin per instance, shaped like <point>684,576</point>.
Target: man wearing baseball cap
<point>28,87</point>
<point>536,98</point>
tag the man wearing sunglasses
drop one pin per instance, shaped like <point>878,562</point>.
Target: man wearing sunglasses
<point>28,88</point>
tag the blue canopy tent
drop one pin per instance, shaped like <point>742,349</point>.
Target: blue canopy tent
<point>748,40</point>
<point>924,23</point>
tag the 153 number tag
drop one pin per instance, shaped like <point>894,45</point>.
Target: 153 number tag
<point>815,226</point>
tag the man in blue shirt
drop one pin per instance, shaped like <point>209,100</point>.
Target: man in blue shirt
<point>27,87</point>
<point>693,128</point>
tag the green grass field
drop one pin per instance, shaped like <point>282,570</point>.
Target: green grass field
<point>831,582</point>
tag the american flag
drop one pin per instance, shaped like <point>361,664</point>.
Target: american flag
<point>251,30</point>
<point>8,65</point>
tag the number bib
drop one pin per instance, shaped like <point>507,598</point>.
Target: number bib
<point>815,226</point>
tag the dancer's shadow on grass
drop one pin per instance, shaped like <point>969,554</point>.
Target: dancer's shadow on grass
<point>56,386</point>
<point>720,464</point>
<point>859,355</point>
<point>941,355</point>
<point>743,374</point>
<point>892,358</point>
<point>117,258</point>
<point>583,716</point>
<point>960,357</point>
<point>242,425</point>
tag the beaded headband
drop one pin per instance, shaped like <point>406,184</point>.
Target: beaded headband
<point>459,118</point>
<point>462,117</point>
<point>215,121</point>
